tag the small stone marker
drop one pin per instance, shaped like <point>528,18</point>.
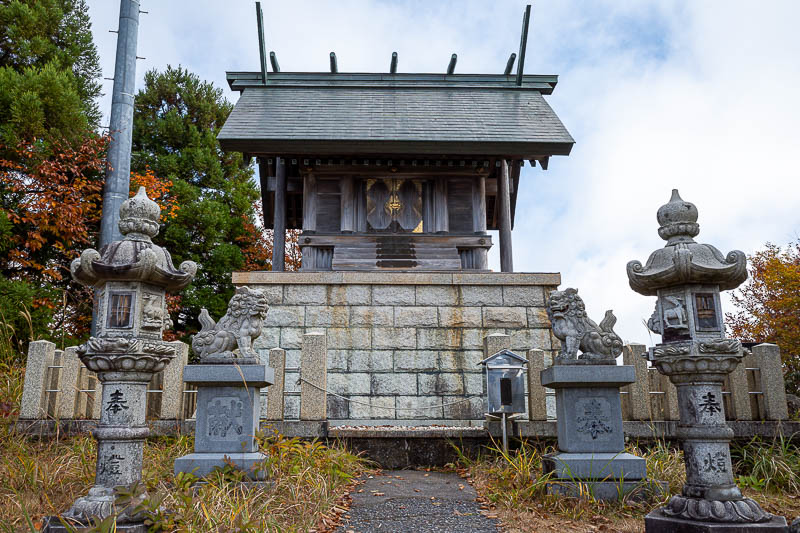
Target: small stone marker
<point>277,361</point>
<point>172,388</point>
<point>314,372</point>
<point>70,369</point>
<point>537,396</point>
<point>769,361</point>
<point>40,357</point>
<point>639,390</point>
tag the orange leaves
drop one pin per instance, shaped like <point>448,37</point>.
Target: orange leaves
<point>256,245</point>
<point>769,304</point>
<point>257,250</point>
<point>158,190</point>
<point>52,198</point>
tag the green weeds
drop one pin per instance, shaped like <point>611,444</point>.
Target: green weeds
<point>773,466</point>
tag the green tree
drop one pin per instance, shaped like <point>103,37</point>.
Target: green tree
<point>51,163</point>
<point>176,120</point>
<point>49,70</point>
<point>768,306</point>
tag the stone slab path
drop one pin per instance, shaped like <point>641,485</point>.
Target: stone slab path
<point>400,501</point>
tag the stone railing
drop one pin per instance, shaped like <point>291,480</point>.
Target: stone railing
<point>754,391</point>
<point>59,387</point>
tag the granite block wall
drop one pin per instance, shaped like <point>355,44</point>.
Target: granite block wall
<point>402,347</point>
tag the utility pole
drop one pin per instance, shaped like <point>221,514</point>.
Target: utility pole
<point>118,177</point>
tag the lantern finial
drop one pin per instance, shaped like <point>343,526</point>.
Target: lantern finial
<point>139,217</point>
<point>678,220</point>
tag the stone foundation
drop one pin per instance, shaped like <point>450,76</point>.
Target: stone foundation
<point>401,341</point>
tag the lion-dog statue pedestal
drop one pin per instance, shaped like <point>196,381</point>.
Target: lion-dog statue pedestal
<point>228,388</point>
<point>591,458</point>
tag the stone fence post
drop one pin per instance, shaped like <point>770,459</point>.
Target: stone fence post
<point>537,407</point>
<point>314,369</point>
<point>40,357</point>
<point>277,361</point>
<point>768,359</point>
<point>639,391</point>
<point>495,342</point>
<point>172,384</point>
<point>70,385</point>
<point>740,389</point>
<point>671,411</point>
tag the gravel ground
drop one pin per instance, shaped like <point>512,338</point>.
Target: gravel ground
<point>400,501</point>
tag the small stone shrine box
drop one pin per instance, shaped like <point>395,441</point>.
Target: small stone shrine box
<point>393,171</point>
<point>505,382</point>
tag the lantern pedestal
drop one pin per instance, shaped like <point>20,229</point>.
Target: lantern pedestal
<point>228,411</point>
<point>53,524</point>
<point>657,522</point>
<point>591,441</point>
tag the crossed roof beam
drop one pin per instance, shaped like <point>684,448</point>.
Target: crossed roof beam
<point>451,66</point>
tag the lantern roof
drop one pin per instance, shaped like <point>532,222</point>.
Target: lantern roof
<point>135,257</point>
<point>683,261</point>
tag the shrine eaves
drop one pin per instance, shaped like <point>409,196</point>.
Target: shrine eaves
<point>393,171</point>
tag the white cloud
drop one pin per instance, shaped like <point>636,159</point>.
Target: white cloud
<point>694,95</point>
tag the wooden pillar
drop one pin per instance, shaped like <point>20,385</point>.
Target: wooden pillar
<point>279,222</point>
<point>506,254</point>
<point>309,203</point>
<point>309,220</point>
<point>479,255</point>
<point>479,205</point>
<point>348,201</point>
<point>429,224</point>
<point>360,207</point>
<point>442,222</point>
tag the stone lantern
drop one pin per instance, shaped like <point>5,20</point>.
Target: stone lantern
<point>131,278</point>
<point>687,278</point>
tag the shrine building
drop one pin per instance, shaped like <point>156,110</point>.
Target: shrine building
<point>394,180</point>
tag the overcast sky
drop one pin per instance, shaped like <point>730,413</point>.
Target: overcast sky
<point>699,96</point>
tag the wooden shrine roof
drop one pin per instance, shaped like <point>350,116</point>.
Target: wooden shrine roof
<point>322,113</point>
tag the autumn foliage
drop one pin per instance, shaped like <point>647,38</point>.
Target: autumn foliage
<point>158,190</point>
<point>52,200</point>
<point>769,306</point>
<point>51,208</point>
<point>257,247</point>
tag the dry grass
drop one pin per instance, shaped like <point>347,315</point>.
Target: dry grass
<point>43,477</point>
<point>39,478</point>
<point>512,488</point>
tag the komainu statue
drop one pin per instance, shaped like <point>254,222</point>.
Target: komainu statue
<point>237,329</point>
<point>576,331</point>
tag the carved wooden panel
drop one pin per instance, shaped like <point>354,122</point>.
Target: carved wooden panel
<point>394,205</point>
